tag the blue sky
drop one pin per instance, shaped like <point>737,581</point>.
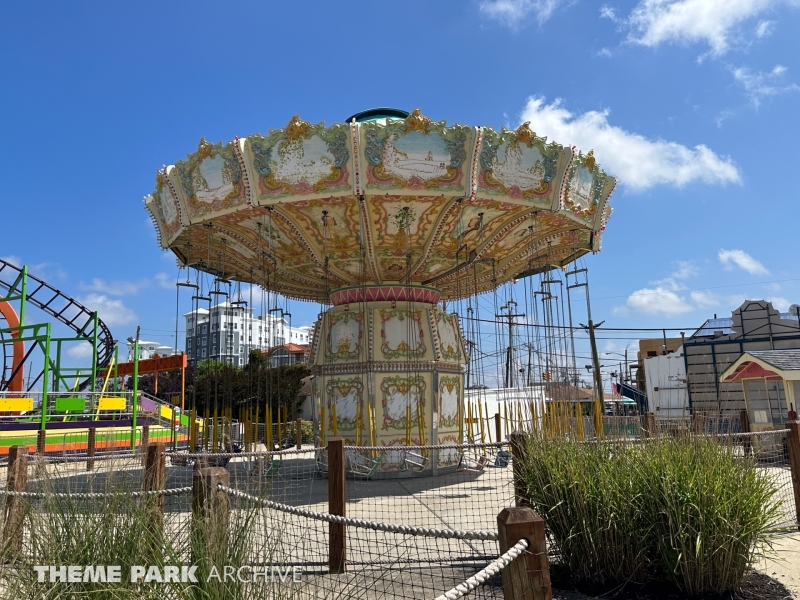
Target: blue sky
<point>693,104</point>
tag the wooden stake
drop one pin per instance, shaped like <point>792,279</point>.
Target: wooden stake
<point>337,547</point>
<point>17,480</point>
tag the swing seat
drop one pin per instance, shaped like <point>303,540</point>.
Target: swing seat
<point>179,460</point>
<point>321,460</point>
<point>273,465</point>
<point>218,461</point>
<point>502,459</point>
<point>363,466</point>
<point>467,465</point>
<point>415,461</point>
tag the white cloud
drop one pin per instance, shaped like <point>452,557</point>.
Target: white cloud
<point>779,304</point>
<point>83,350</point>
<point>127,288</point>
<point>759,85</point>
<point>14,260</point>
<point>639,162</point>
<point>765,29</point>
<point>606,12</point>
<point>741,259</point>
<point>715,22</point>
<point>705,299</point>
<point>512,12</point>
<point>45,270</point>
<point>112,312</point>
<point>658,301</point>
<point>165,281</point>
<point>685,270</point>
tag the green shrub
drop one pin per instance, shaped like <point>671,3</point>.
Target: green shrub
<point>688,511</point>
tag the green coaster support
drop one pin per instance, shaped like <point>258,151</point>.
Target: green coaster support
<point>45,375</point>
<point>94,352</point>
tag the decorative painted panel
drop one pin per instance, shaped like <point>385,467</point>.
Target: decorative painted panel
<point>519,165</point>
<point>345,337</point>
<point>347,394</point>
<point>449,339</point>
<point>397,392</point>
<point>415,154</point>
<point>584,195</point>
<point>450,397</point>
<point>403,335</point>
<point>301,160</point>
<point>212,181</point>
<point>165,209</point>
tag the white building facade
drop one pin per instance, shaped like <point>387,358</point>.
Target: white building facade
<point>228,332</point>
<point>149,350</point>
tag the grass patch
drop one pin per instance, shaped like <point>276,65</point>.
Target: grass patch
<point>118,530</point>
<point>686,511</point>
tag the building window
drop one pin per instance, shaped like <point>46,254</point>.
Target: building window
<point>205,328</point>
<point>204,353</point>
<point>204,341</point>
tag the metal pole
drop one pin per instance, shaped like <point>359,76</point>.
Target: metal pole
<point>45,375</point>
<point>23,298</point>
<point>135,389</point>
<point>94,353</point>
<point>598,378</point>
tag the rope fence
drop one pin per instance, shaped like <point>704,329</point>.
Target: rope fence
<point>408,534</point>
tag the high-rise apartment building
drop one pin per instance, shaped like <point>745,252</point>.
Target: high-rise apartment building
<point>228,332</point>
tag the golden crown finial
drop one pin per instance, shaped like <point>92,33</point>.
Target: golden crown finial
<point>204,149</point>
<point>525,135</point>
<point>296,127</point>
<point>590,160</point>
<point>416,121</point>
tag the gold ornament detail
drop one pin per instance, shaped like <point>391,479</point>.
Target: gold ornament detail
<point>525,135</point>
<point>204,149</point>
<point>590,160</point>
<point>416,121</point>
<point>296,127</point>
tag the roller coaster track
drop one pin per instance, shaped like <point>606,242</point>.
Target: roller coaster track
<point>62,308</point>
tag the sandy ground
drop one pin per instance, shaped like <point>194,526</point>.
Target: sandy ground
<point>785,566</point>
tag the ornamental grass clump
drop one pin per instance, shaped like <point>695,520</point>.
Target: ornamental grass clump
<point>687,511</point>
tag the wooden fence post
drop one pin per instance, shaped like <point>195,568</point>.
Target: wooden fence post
<point>145,437</point>
<point>697,422</point>
<point>337,548</point>
<point>298,433</point>
<point>650,426</point>
<point>15,506</point>
<point>518,450</point>
<point>744,421</point>
<point>793,443</point>
<point>527,577</point>
<point>498,431</point>
<point>210,514</point>
<point>91,448</point>
<point>155,479</point>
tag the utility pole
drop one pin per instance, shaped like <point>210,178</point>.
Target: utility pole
<point>509,306</point>
<point>598,377</point>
